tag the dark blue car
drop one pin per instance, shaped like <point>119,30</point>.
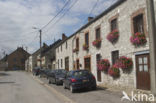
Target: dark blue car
<point>57,76</point>
<point>79,79</point>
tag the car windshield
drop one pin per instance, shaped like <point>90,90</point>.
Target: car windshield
<point>60,72</point>
<point>81,73</point>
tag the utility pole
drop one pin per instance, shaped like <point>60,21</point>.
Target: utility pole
<point>27,60</point>
<point>152,43</point>
<point>40,47</point>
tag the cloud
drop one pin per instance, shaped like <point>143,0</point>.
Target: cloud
<point>19,16</point>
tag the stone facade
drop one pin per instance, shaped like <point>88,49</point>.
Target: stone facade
<point>124,13</point>
<point>29,64</point>
<point>16,60</point>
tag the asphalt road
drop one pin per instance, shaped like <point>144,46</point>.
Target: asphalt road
<point>89,96</point>
<point>19,87</point>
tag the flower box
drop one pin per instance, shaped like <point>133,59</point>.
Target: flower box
<point>124,63</point>
<point>97,42</point>
<point>85,47</point>
<point>75,50</point>
<point>138,39</point>
<point>113,36</point>
<point>38,59</point>
<point>114,71</point>
<point>103,65</point>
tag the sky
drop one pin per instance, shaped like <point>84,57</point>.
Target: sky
<point>19,17</point>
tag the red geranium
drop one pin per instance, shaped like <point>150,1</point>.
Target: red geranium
<point>138,39</point>
<point>114,71</point>
<point>113,36</point>
<point>96,42</point>
<point>124,62</point>
<point>103,65</point>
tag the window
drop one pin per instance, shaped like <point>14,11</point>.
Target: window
<point>22,60</point>
<point>61,47</point>
<point>98,58</point>
<point>87,63</point>
<point>138,24</point>
<point>66,45</point>
<point>77,43</point>
<point>87,39</point>
<point>115,56</point>
<point>14,59</point>
<point>114,24</point>
<point>97,33</point>
<point>61,63</point>
<point>58,64</point>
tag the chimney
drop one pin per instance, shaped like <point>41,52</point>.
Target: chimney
<point>64,36</point>
<point>90,18</point>
<point>44,44</point>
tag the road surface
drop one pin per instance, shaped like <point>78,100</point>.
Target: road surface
<point>19,87</point>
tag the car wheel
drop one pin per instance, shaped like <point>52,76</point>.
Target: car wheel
<point>64,86</point>
<point>94,88</point>
<point>71,89</point>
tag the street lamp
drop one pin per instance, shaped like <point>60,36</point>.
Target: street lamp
<point>40,31</point>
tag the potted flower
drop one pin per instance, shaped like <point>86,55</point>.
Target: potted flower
<point>96,42</point>
<point>85,47</point>
<point>138,39</point>
<point>103,65</point>
<point>113,36</point>
<point>75,50</point>
<point>114,71</point>
<point>124,62</point>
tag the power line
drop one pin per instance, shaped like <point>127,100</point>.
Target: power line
<point>18,38</point>
<point>63,14</point>
<point>56,14</point>
<point>92,10</point>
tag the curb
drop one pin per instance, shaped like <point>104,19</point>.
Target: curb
<point>58,94</point>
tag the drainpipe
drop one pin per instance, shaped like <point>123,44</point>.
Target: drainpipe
<point>152,43</point>
<point>72,50</point>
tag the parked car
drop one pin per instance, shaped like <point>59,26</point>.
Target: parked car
<point>42,73</point>
<point>57,76</point>
<point>79,79</point>
<point>50,72</point>
<point>36,71</point>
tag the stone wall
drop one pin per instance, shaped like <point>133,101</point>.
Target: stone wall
<point>124,13</point>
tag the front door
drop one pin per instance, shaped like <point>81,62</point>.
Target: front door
<point>67,63</point>
<point>77,64</point>
<point>87,63</point>
<point>143,72</point>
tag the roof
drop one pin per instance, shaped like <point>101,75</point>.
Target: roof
<point>51,46</point>
<point>20,49</point>
<point>4,59</point>
<point>38,51</point>
<point>119,2</point>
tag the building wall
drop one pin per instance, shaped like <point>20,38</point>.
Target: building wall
<point>66,52</point>
<point>125,12</point>
<point>16,60</point>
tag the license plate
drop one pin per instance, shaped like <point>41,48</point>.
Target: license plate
<point>85,80</point>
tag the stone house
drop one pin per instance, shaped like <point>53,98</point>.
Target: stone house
<point>29,64</point>
<point>49,55</point>
<point>36,56</point>
<point>16,60</point>
<point>126,16</point>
